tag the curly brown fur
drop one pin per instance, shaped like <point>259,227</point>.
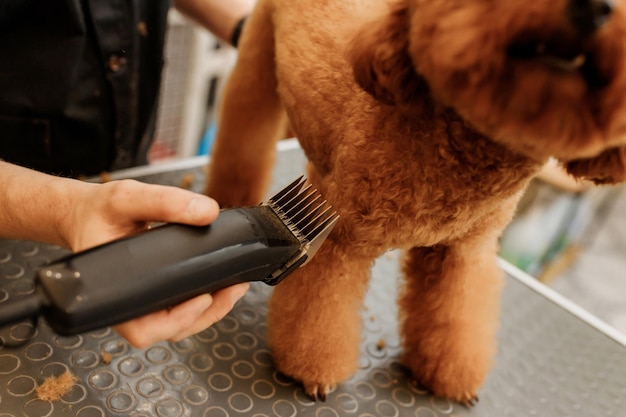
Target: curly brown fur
<point>423,121</point>
<point>54,388</point>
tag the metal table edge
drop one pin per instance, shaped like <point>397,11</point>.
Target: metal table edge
<point>542,289</point>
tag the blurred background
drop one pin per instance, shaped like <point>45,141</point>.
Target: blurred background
<point>572,237</point>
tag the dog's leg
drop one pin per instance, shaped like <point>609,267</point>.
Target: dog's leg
<point>251,118</point>
<point>315,319</point>
<point>449,314</point>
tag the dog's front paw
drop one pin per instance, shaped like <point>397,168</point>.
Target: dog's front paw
<point>316,390</point>
<point>450,380</point>
<point>466,398</point>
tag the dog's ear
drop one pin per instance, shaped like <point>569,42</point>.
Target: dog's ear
<point>380,60</point>
<point>607,168</point>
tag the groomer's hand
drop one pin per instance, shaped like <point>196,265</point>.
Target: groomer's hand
<point>80,215</point>
<point>104,212</point>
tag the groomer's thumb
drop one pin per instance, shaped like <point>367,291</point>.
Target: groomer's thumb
<point>201,210</point>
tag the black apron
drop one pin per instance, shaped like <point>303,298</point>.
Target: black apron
<point>79,82</point>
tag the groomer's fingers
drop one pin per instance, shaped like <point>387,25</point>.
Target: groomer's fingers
<point>223,302</point>
<point>184,320</point>
<point>165,324</point>
<point>119,208</point>
<point>149,202</point>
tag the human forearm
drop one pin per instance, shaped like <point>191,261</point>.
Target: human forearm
<point>36,206</point>
<point>218,16</point>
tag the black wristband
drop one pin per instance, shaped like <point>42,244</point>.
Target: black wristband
<point>234,38</point>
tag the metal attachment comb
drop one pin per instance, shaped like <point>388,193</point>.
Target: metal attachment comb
<point>309,217</point>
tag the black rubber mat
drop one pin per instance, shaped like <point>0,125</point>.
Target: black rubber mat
<point>550,363</point>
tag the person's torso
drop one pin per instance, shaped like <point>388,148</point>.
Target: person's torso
<point>79,82</point>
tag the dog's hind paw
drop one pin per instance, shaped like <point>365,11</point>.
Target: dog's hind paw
<point>317,391</point>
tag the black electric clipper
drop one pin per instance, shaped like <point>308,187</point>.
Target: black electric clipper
<point>164,266</point>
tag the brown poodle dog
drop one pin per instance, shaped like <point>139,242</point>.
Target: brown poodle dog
<point>423,121</point>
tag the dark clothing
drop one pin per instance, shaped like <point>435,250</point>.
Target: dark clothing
<point>79,82</point>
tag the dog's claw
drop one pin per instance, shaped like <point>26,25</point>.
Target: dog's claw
<point>467,399</point>
<point>470,401</point>
<point>318,391</point>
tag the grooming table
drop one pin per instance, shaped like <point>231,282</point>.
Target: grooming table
<point>554,359</point>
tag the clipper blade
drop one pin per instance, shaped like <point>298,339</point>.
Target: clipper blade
<point>304,211</point>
